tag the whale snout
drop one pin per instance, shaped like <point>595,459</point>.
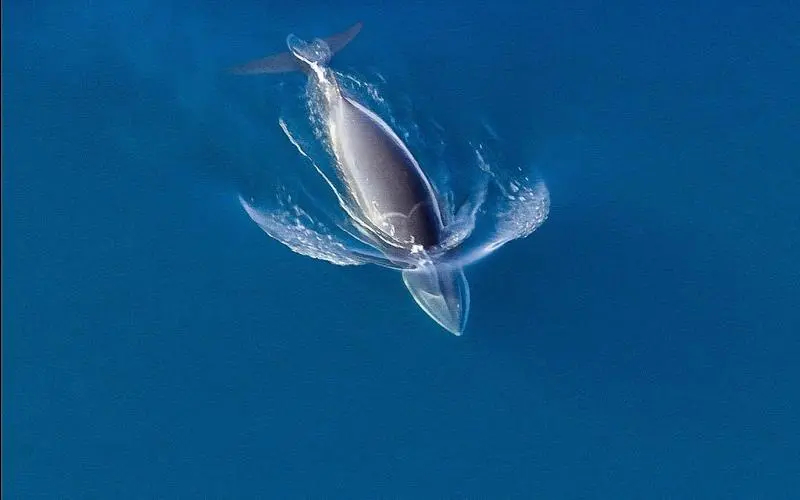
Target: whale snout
<point>443,293</point>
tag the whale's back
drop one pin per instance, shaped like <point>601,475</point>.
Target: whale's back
<point>383,178</point>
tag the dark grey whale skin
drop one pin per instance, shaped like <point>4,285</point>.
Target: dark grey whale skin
<point>383,178</point>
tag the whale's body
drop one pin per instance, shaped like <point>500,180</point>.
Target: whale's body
<point>393,203</point>
<point>383,177</point>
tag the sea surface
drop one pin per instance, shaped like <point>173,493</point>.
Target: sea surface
<point>642,343</point>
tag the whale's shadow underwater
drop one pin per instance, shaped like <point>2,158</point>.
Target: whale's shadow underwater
<point>391,207</point>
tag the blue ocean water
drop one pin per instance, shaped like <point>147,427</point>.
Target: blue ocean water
<point>642,343</point>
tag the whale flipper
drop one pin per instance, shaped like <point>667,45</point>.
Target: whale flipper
<point>287,61</point>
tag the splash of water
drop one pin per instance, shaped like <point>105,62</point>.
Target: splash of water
<point>291,225</point>
<point>506,204</point>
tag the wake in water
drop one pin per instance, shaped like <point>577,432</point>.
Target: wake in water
<point>382,207</point>
<point>498,205</point>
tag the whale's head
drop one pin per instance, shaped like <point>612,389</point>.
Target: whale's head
<point>442,292</point>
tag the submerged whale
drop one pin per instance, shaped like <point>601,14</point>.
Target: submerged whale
<point>391,201</point>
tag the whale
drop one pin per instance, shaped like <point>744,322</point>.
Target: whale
<point>393,204</point>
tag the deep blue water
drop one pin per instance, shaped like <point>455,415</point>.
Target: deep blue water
<point>642,344</point>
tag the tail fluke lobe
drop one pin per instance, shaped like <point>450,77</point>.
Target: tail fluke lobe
<point>279,63</point>
<point>337,42</point>
<point>288,61</point>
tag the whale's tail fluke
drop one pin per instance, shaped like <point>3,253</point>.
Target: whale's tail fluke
<point>301,54</point>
